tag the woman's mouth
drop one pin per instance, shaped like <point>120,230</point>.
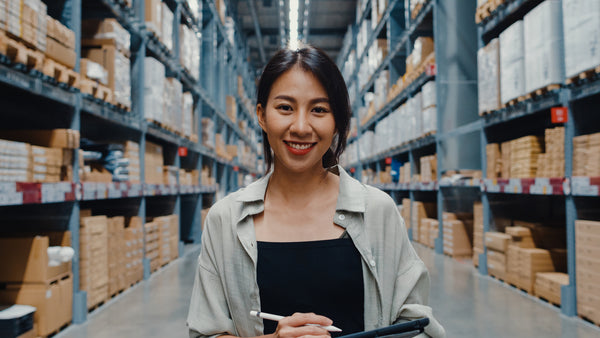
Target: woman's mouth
<point>297,148</point>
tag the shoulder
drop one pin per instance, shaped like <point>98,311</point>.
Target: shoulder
<point>376,198</point>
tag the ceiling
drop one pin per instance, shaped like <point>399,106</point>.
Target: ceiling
<point>327,22</point>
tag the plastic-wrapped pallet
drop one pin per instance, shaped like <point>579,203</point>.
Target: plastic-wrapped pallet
<point>366,145</point>
<point>512,62</point>
<point>188,114</point>
<point>167,26</point>
<point>544,50</point>
<point>581,19</point>
<point>190,51</point>
<point>488,70</point>
<point>194,6</point>
<point>381,89</point>
<point>153,89</point>
<point>208,133</point>
<point>429,117</point>
<point>173,100</point>
<point>429,94</point>
<point>415,105</point>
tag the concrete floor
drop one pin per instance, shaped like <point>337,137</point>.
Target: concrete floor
<point>466,303</point>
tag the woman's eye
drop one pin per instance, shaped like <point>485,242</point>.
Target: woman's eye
<point>284,107</point>
<point>320,110</point>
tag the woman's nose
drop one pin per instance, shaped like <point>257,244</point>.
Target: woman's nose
<point>301,124</point>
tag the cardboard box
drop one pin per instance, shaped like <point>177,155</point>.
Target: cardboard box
<point>25,259</point>
<point>60,53</point>
<point>53,302</point>
<point>51,138</point>
<point>153,16</point>
<point>118,67</point>
<point>108,31</point>
<point>497,241</point>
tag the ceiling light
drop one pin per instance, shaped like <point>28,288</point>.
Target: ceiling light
<point>293,20</point>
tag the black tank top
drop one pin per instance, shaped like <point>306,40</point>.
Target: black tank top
<point>324,277</point>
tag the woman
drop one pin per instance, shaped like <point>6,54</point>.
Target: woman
<point>306,241</point>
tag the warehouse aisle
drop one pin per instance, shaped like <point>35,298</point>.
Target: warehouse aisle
<point>467,304</point>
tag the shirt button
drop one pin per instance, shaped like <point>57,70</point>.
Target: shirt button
<point>342,217</point>
<point>372,262</point>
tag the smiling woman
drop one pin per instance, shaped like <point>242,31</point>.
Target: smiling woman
<point>307,241</point>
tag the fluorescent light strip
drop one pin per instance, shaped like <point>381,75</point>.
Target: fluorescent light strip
<point>293,20</point>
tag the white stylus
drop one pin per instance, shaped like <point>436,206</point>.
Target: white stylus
<point>277,318</point>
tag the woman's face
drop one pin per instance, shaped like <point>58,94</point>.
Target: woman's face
<point>298,121</point>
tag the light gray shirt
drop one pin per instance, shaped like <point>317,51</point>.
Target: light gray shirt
<point>225,290</point>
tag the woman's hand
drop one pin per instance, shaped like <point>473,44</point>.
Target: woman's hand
<point>296,326</point>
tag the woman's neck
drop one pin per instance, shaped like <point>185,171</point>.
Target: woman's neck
<point>297,187</point>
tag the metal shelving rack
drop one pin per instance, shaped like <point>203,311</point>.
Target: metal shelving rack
<point>30,102</point>
<point>456,89</point>
<point>463,129</point>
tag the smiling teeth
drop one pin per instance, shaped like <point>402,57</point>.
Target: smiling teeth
<point>300,146</point>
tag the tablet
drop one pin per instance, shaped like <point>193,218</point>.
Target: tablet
<point>402,330</point>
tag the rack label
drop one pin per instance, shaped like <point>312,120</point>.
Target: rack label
<point>560,114</point>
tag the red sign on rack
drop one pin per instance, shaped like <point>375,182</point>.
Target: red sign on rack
<point>431,70</point>
<point>388,160</point>
<point>236,168</point>
<point>352,170</point>
<point>560,114</point>
<point>183,151</point>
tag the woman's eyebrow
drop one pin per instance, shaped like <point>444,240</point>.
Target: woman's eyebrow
<point>291,99</point>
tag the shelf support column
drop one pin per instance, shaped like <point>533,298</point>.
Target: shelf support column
<point>569,292</point>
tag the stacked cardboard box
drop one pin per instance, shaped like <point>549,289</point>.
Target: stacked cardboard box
<point>154,163</point>
<point>457,230</point>
<point>51,138</point>
<point>552,162</point>
<point>108,44</point>
<point>173,102</point>
<point>580,155</point>
<point>524,153</point>
<point>520,237</point>
<point>21,162</point>
<point>593,159</point>
<point>231,107</point>
<point>206,177</point>
<point>478,245</point>
<point>60,43</point>
<point>587,239</point>
<point>405,173</point>
<point>497,245</point>
<point>93,258</point>
<point>131,151</point>
<point>429,168</point>
<point>116,255</point>
<point>494,160</point>
<point>405,212</point>
<point>532,261</point>
<point>170,174</point>
<point>420,211</point>
<point>152,244</point>
<point>15,161</point>
<point>505,149</point>
<point>164,236</point>
<point>134,254</point>
<point>153,16</point>
<point>424,228</point>
<point>26,20</point>
<point>174,235</point>
<point>548,285</point>
<point>189,177</point>
<point>27,278</point>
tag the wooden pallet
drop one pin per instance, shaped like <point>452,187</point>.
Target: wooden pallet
<point>590,320</point>
<point>61,73</point>
<point>96,306</point>
<point>584,76</point>
<point>542,91</point>
<point>116,293</point>
<point>96,90</point>
<point>120,105</point>
<point>483,11</point>
<point>19,53</point>
<point>542,298</point>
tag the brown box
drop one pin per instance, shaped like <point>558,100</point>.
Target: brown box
<point>108,57</point>
<point>51,138</point>
<point>231,107</point>
<point>60,33</point>
<point>456,238</point>
<point>53,302</point>
<point>25,259</point>
<point>548,285</point>
<point>497,241</point>
<point>153,16</point>
<point>60,53</point>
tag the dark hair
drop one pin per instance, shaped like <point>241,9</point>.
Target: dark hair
<point>317,62</point>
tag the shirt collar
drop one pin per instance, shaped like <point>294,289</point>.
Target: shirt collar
<point>351,196</point>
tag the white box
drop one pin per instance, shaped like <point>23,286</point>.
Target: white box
<point>429,94</point>
<point>544,49</point>
<point>581,21</point>
<point>167,26</point>
<point>488,73</point>
<point>512,62</point>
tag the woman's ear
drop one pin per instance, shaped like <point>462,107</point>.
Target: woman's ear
<point>260,113</point>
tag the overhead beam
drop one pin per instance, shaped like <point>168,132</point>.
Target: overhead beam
<point>259,39</point>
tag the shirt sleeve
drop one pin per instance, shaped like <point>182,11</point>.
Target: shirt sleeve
<point>411,290</point>
<point>209,314</point>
